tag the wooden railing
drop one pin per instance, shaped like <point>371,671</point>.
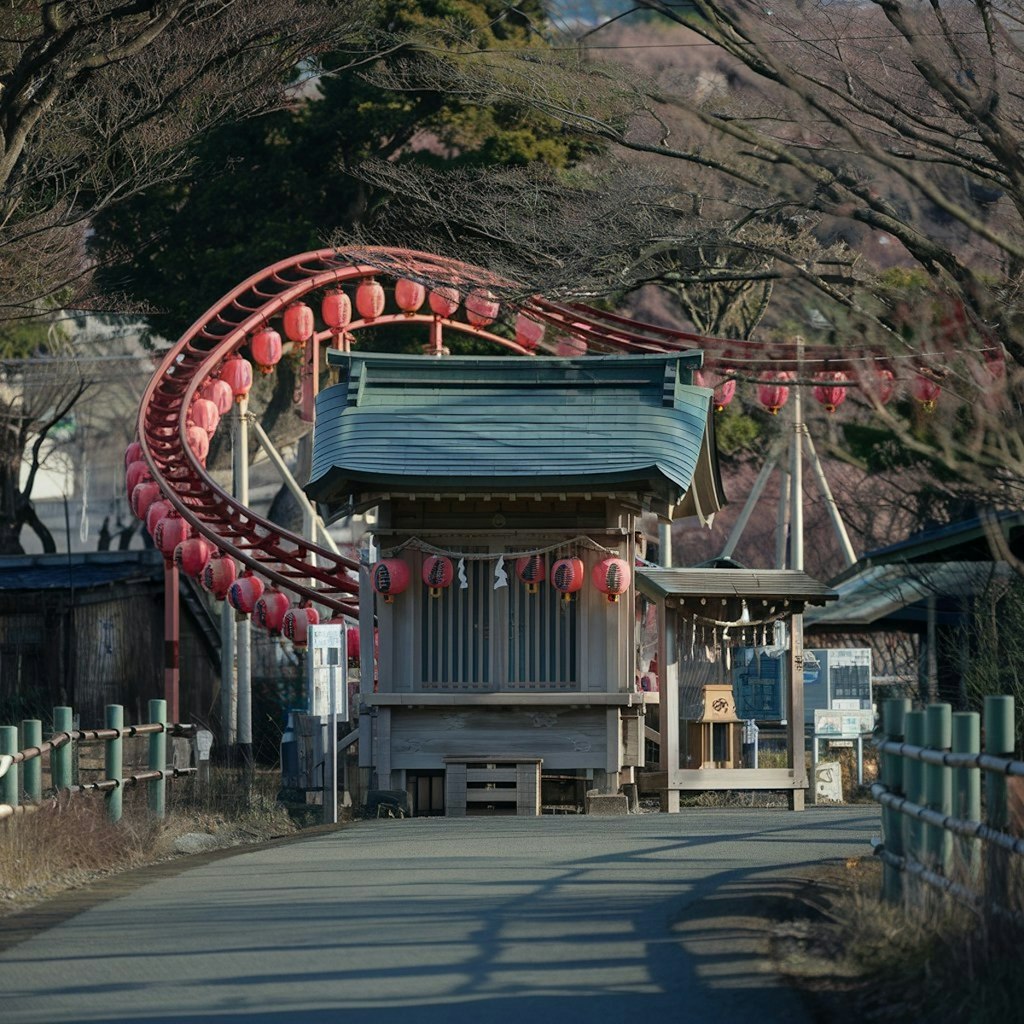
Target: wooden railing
<point>21,788</point>
<point>939,822</point>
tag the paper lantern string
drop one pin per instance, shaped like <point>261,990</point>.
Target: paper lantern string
<point>490,556</point>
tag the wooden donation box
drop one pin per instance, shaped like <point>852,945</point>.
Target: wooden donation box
<point>715,737</point>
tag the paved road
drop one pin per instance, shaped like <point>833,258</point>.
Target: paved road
<point>490,921</point>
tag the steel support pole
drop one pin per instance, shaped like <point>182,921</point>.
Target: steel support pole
<point>228,686</point>
<point>782,519</point>
<point>115,762</point>
<point>752,499</point>
<point>172,629</point>
<point>32,771</point>
<point>243,640</point>
<point>830,502</point>
<point>796,471</point>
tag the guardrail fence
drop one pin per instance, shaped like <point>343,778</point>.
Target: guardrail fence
<point>21,788</point>
<point>936,825</point>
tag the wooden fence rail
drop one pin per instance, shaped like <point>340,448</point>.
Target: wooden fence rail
<point>21,765</point>
<point>930,791</point>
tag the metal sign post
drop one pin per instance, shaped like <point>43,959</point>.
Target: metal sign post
<point>328,699</point>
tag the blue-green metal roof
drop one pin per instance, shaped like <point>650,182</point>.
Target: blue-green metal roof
<point>412,424</point>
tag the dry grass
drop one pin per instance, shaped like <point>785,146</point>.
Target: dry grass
<point>71,842</point>
<point>928,960</point>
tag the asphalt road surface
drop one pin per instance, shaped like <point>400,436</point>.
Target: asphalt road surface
<point>486,920</point>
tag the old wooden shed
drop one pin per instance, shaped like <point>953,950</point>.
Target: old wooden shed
<point>485,462</point>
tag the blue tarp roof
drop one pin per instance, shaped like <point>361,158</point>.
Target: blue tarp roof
<point>85,570</point>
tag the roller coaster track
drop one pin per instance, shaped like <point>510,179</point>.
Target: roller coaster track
<point>294,563</point>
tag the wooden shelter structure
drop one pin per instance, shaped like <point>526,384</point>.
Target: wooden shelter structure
<point>702,614</point>
<point>490,676</point>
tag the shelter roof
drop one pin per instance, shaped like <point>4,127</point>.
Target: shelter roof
<point>465,425</point>
<point>775,585</point>
<point>82,571</point>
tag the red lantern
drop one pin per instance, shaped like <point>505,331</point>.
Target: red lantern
<point>266,347</point>
<point>244,593</point>
<point>336,309</point>
<point>772,392</point>
<point>567,576</point>
<point>531,569</point>
<point>926,391</point>
<point>444,301</point>
<point>171,530</point>
<point>297,621</point>
<point>437,573</point>
<point>885,385</point>
<point>143,495</point>
<point>156,511</point>
<point>270,610</point>
<point>205,414</point>
<point>724,390</point>
<point>298,324</point>
<point>409,295</point>
<point>191,556</point>
<point>529,332</point>
<point>481,307</point>
<point>370,299</point>
<point>570,346</point>
<point>237,374</point>
<point>390,577</point>
<point>135,474</point>
<point>830,389</point>
<point>199,441</point>
<point>133,453</point>
<point>612,576</point>
<point>219,392</point>
<point>218,575</point>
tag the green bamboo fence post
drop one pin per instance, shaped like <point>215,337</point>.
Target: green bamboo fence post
<point>114,762</point>
<point>913,782</point>
<point>9,789</point>
<point>939,785</point>
<point>32,771</point>
<point>967,786</point>
<point>61,757</point>
<point>893,716</point>
<point>998,715</point>
<point>158,759</point>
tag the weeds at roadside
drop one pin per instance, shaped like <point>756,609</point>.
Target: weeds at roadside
<point>930,959</point>
<point>70,842</point>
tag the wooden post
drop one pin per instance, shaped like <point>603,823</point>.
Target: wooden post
<point>967,786</point>
<point>893,717</point>
<point>668,705</point>
<point>61,757</point>
<point>115,761</point>
<point>795,731</point>
<point>158,759</point>
<point>32,771</point>
<point>939,785</point>
<point>9,788</point>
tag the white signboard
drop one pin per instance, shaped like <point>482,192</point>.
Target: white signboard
<point>843,725</point>
<point>326,664</point>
